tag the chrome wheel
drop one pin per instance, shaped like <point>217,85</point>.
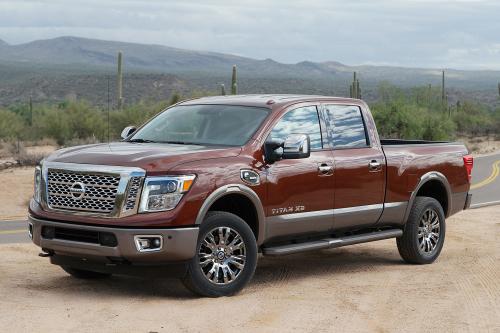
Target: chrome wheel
<point>428,231</point>
<point>222,255</point>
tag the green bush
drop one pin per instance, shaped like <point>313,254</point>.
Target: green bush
<point>408,114</point>
<point>11,125</point>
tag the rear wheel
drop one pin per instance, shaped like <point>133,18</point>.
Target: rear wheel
<point>226,256</point>
<point>83,274</point>
<point>424,233</point>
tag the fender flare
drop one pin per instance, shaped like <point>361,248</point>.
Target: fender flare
<point>235,189</point>
<point>432,175</point>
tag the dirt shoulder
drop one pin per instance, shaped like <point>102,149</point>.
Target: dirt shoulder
<point>363,288</point>
<point>16,190</point>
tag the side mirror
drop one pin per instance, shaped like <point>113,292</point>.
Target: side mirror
<point>294,146</point>
<point>127,131</point>
<point>273,150</point>
<point>297,146</point>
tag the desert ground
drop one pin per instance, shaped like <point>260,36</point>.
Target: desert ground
<point>16,190</point>
<point>363,288</point>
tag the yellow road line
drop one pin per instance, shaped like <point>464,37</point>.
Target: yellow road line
<point>491,178</point>
<point>9,232</point>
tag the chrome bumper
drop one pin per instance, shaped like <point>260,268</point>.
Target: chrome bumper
<point>179,244</point>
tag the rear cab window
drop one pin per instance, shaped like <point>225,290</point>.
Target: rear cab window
<point>346,127</point>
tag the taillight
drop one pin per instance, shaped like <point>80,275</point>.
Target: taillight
<point>469,164</point>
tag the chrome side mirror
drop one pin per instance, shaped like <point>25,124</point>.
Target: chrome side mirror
<point>297,146</point>
<point>128,131</point>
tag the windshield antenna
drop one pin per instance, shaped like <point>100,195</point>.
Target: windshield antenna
<point>108,107</point>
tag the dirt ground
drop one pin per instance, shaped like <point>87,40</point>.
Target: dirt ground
<point>363,288</point>
<point>16,189</point>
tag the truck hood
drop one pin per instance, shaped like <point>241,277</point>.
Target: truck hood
<point>152,157</point>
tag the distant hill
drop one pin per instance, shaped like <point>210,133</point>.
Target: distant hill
<point>51,69</point>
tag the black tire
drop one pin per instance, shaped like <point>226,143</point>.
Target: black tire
<point>196,279</point>
<point>83,274</point>
<point>410,244</point>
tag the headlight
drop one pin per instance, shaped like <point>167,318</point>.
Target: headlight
<point>37,184</point>
<point>164,193</point>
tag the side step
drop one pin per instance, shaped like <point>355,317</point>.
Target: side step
<point>329,243</point>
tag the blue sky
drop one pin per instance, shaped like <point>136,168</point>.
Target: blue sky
<point>415,33</point>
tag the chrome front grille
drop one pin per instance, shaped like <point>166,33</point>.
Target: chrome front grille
<point>133,193</point>
<point>97,191</point>
<point>93,190</point>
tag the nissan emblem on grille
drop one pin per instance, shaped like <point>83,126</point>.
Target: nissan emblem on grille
<point>77,190</point>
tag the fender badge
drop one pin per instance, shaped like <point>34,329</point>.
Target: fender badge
<point>250,177</point>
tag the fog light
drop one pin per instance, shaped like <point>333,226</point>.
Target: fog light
<point>148,243</point>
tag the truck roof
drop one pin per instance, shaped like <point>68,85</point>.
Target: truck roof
<point>266,100</point>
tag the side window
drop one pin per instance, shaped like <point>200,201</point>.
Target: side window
<point>303,120</point>
<point>346,126</point>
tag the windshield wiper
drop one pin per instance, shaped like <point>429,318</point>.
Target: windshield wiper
<point>141,140</point>
<point>181,143</point>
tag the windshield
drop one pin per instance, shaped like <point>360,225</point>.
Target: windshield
<point>227,125</point>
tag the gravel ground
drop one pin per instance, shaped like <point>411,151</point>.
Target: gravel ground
<point>363,288</point>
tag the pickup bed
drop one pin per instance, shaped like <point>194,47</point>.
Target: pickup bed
<point>209,183</point>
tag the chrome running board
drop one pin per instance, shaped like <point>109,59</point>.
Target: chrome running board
<point>329,243</point>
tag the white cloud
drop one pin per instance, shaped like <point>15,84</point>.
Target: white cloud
<point>437,33</point>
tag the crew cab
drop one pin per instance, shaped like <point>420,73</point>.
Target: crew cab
<point>205,186</point>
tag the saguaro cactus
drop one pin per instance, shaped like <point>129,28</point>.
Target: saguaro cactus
<point>443,92</point>
<point>222,89</point>
<point>31,110</point>
<point>234,84</point>
<point>120,82</point>
<point>354,88</point>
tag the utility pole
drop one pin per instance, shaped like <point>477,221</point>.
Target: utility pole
<point>108,106</point>
<point>120,82</point>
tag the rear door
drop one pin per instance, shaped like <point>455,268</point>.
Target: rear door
<point>359,167</point>
<point>300,191</point>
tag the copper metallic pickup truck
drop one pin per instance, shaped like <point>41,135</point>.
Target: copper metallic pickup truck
<point>205,186</point>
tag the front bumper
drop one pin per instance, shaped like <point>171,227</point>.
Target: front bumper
<point>179,244</point>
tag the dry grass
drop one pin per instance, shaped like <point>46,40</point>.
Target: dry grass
<point>24,153</point>
<point>481,145</point>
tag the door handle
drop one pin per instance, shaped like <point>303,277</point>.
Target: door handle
<point>325,168</point>
<point>374,165</point>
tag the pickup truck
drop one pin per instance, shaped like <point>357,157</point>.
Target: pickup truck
<point>207,185</point>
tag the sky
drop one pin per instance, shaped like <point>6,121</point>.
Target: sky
<point>463,34</point>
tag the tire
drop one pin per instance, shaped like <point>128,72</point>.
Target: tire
<point>83,274</point>
<point>419,245</point>
<point>223,265</point>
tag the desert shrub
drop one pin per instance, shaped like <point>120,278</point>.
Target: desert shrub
<point>11,125</point>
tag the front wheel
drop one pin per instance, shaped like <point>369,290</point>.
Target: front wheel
<point>423,237</point>
<point>226,256</point>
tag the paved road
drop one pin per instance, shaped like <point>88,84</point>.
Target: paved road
<point>486,180</point>
<point>485,190</point>
<point>13,232</point>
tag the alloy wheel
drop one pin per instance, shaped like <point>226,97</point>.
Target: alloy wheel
<point>428,231</point>
<point>222,255</point>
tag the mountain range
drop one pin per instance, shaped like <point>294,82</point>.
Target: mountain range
<point>53,69</point>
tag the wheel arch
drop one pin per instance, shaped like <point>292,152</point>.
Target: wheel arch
<point>435,185</point>
<point>243,192</point>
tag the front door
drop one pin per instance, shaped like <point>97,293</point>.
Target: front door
<point>359,168</point>
<point>300,191</point>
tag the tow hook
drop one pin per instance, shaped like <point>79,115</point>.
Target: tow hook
<point>46,253</point>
